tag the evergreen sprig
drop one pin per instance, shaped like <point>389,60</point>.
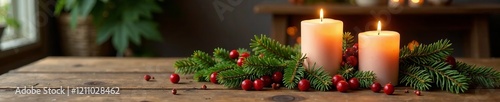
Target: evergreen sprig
<point>446,78</point>
<point>269,47</point>
<point>202,59</point>
<point>347,40</point>
<point>219,67</point>
<point>294,72</point>
<point>347,71</point>
<point>480,75</point>
<point>415,77</point>
<point>365,78</point>
<point>426,53</point>
<point>233,78</point>
<point>186,66</point>
<point>261,66</point>
<point>222,55</point>
<point>318,78</point>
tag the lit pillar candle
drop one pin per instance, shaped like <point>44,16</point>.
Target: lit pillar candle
<point>396,3</point>
<point>321,41</point>
<point>379,52</point>
<point>415,3</point>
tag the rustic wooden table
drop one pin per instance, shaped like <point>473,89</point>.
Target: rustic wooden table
<point>127,74</point>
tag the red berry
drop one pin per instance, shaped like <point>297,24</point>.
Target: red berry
<point>376,87</point>
<point>337,78</point>
<point>417,93</point>
<point>350,52</point>
<point>342,63</point>
<point>355,46</point>
<point>258,84</point>
<point>152,77</point>
<point>246,84</point>
<point>245,54</point>
<point>352,61</point>
<point>354,83</point>
<point>342,86</point>
<point>344,57</point>
<point>388,89</point>
<point>267,80</point>
<point>147,77</point>
<point>213,77</point>
<point>174,78</point>
<point>204,87</point>
<point>234,54</point>
<point>240,61</point>
<point>275,86</point>
<point>174,91</point>
<point>277,77</point>
<point>304,85</point>
<point>451,61</point>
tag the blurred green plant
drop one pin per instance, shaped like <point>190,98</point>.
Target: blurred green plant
<point>121,21</point>
<point>5,17</point>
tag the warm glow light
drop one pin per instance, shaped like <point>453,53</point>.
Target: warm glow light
<point>379,27</point>
<point>395,0</point>
<point>321,14</point>
<point>415,1</point>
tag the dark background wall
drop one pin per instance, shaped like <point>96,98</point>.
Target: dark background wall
<point>189,25</point>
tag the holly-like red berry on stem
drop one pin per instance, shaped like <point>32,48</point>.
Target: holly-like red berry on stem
<point>174,91</point>
<point>337,78</point>
<point>267,80</point>
<point>258,84</point>
<point>342,63</point>
<point>240,61</point>
<point>245,54</point>
<point>213,77</point>
<point>352,60</point>
<point>350,52</point>
<point>304,85</point>
<point>204,87</point>
<point>275,86</point>
<point>451,61</point>
<point>417,93</point>
<point>147,77</point>
<point>342,86</point>
<point>174,78</point>
<point>234,54</point>
<point>246,84</point>
<point>277,77</point>
<point>389,89</point>
<point>354,83</point>
<point>355,46</point>
<point>376,87</point>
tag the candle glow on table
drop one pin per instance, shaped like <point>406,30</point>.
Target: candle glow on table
<point>321,41</point>
<point>379,52</point>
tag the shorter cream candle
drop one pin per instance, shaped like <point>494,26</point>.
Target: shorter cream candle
<point>379,52</point>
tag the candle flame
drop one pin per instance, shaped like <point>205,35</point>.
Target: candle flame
<point>321,14</point>
<point>415,1</point>
<point>395,0</point>
<point>379,27</point>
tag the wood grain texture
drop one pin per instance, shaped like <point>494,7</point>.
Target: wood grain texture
<point>288,9</point>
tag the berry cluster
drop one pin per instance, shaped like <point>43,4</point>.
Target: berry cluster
<point>342,85</point>
<point>350,56</point>
<point>264,81</point>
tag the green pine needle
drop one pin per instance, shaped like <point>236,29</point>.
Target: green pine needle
<point>261,66</point>
<point>202,59</point>
<point>347,71</point>
<point>186,66</point>
<point>347,40</point>
<point>294,72</point>
<point>222,55</point>
<point>233,78</point>
<point>446,78</point>
<point>318,78</point>
<point>426,53</point>
<point>480,75</point>
<point>365,78</point>
<point>415,77</point>
<point>200,76</point>
<point>269,47</point>
<point>219,67</point>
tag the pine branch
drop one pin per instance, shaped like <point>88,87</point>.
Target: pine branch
<point>365,78</point>
<point>272,48</point>
<point>186,66</point>
<point>426,53</point>
<point>200,76</point>
<point>233,78</point>
<point>261,66</point>
<point>202,59</point>
<point>319,79</point>
<point>347,40</point>
<point>294,72</point>
<point>414,77</point>
<point>219,67</point>
<point>241,50</point>
<point>222,55</point>
<point>446,78</point>
<point>347,71</point>
<point>480,75</point>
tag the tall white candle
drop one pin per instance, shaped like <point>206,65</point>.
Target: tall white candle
<point>379,52</point>
<point>321,41</point>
